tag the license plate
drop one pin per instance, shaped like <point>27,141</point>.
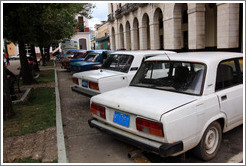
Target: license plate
<point>85,84</point>
<point>121,118</point>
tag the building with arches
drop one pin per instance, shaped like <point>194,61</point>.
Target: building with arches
<point>176,26</point>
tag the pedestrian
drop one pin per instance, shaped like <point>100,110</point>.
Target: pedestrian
<point>7,58</point>
<point>4,61</point>
<point>31,64</point>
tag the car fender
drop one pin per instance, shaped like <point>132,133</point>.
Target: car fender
<point>221,115</point>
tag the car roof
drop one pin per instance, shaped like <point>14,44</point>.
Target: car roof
<point>204,57</point>
<point>77,50</point>
<point>144,52</point>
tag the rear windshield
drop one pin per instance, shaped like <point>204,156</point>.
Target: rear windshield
<point>118,62</point>
<point>183,77</point>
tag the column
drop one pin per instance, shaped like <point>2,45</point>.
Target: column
<point>134,37</point>
<point>154,36</point>
<point>196,27</point>
<point>228,25</point>
<point>143,38</point>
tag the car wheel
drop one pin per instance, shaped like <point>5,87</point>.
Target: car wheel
<point>210,142</point>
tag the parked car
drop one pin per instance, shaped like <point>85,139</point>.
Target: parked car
<point>175,103</point>
<point>78,55</point>
<point>93,58</point>
<point>58,57</point>
<point>116,72</point>
<point>68,54</point>
<point>14,57</point>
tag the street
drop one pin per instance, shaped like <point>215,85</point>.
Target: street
<point>87,145</point>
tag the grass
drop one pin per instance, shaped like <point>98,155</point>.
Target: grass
<point>46,76</point>
<point>38,113</point>
<point>49,63</point>
<point>29,160</point>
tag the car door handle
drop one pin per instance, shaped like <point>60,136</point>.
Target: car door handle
<point>223,97</point>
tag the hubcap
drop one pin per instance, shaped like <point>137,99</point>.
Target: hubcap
<point>211,140</point>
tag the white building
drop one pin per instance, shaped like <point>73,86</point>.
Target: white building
<point>176,26</point>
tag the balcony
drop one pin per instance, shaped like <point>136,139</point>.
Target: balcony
<point>118,13</point>
<point>142,4</point>
<point>127,8</point>
<point>132,7</point>
<point>110,17</point>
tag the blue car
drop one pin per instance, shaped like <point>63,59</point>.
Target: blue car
<point>94,58</point>
<point>76,55</point>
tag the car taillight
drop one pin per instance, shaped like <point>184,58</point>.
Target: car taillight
<point>150,127</point>
<point>93,85</point>
<point>98,110</point>
<point>75,80</point>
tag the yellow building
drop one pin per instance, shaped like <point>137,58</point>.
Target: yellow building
<point>102,36</point>
<point>12,50</point>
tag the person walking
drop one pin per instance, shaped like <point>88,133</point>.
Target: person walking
<point>7,58</point>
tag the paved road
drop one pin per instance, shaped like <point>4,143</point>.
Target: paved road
<point>83,144</point>
<point>86,145</point>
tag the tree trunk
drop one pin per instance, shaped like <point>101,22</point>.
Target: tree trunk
<point>47,53</point>
<point>42,55</point>
<point>8,111</point>
<point>33,55</point>
<point>25,70</point>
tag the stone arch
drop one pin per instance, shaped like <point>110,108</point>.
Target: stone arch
<point>180,16</point>
<point>211,26</point>
<point>145,33</point>
<point>135,35</point>
<point>157,27</point>
<point>121,37</point>
<point>128,36</point>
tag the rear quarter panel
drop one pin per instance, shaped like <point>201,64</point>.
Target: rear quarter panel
<point>187,123</point>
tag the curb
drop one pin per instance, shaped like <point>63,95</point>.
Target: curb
<point>23,97</point>
<point>62,156</point>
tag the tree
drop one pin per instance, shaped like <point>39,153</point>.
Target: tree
<point>56,23</point>
<point>16,27</point>
<point>8,111</point>
<point>40,24</point>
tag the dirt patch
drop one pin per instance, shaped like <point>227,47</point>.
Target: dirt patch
<point>40,146</point>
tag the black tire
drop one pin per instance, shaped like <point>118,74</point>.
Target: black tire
<point>210,142</point>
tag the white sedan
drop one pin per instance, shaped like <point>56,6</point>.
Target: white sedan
<point>116,72</point>
<point>175,103</point>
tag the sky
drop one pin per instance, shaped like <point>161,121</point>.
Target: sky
<point>99,13</point>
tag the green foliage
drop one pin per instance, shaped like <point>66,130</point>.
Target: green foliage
<point>38,113</point>
<point>42,24</point>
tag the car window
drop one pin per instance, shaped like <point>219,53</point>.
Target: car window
<point>228,74</point>
<point>118,62</point>
<point>91,57</point>
<point>241,65</point>
<point>184,77</point>
<point>79,55</point>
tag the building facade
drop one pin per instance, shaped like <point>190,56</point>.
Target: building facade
<point>176,26</point>
<point>102,36</point>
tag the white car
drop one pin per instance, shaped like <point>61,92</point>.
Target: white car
<point>198,97</point>
<point>14,57</point>
<point>116,72</point>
